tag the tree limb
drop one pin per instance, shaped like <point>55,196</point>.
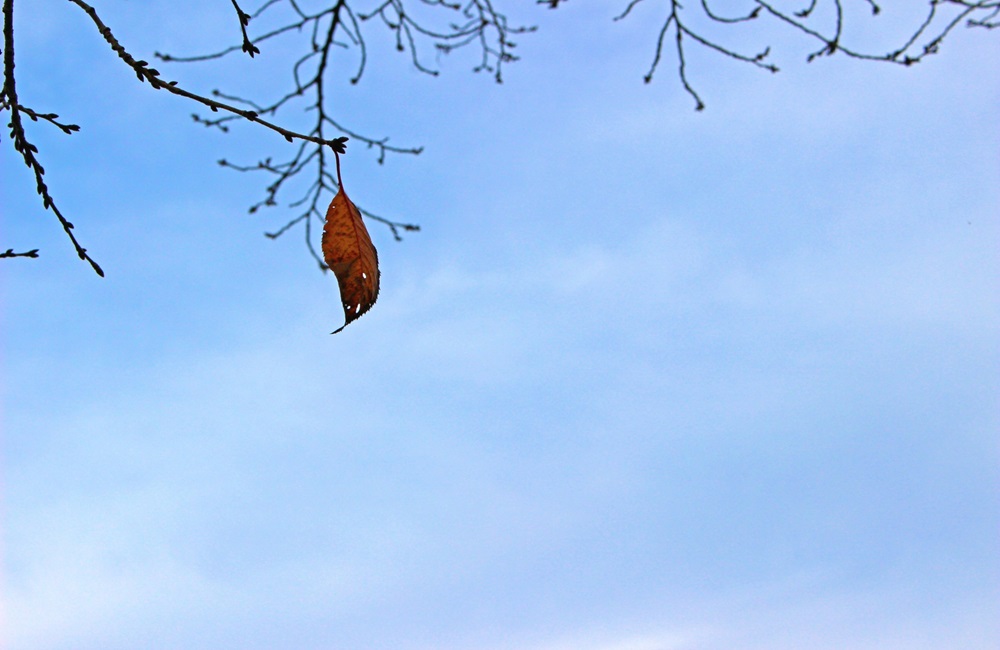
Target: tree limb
<point>8,100</point>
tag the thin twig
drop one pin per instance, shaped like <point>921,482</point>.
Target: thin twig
<point>974,13</point>
<point>20,139</point>
<point>476,22</point>
<point>244,18</point>
<point>152,76</point>
<point>10,253</point>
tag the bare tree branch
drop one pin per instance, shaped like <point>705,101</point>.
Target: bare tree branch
<point>925,40</point>
<point>441,26</point>
<point>10,253</point>
<point>244,17</point>
<point>675,19</point>
<point>152,76</point>
<point>302,179</point>
<point>8,101</point>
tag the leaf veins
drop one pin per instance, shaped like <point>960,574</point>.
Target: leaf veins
<point>350,254</point>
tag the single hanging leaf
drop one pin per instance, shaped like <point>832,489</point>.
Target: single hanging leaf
<point>350,254</point>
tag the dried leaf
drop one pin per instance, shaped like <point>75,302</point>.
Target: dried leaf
<point>350,254</point>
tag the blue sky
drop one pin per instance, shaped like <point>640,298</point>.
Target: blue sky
<point>648,379</point>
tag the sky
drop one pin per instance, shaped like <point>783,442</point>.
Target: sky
<point>646,379</point>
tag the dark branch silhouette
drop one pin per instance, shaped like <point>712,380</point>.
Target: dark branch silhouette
<point>8,101</point>
<point>338,31</point>
<point>10,253</point>
<point>942,17</point>
<point>473,23</point>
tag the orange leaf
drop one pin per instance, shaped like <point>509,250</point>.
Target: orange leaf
<point>351,256</point>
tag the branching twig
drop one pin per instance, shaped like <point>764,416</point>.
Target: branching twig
<point>8,99</point>
<point>442,27</point>
<point>244,17</point>
<point>51,118</point>
<point>152,76</point>
<point>905,54</point>
<point>974,13</point>
<point>10,253</point>
<point>675,19</point>
<point>476,22</point>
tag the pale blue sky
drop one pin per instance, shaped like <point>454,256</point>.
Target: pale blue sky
<point>648,379</point>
